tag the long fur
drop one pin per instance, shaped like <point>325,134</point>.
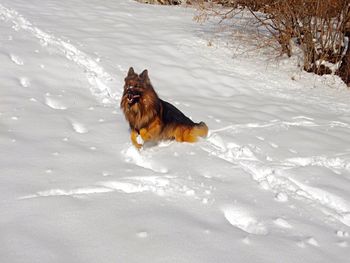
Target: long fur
<point>153,118</point>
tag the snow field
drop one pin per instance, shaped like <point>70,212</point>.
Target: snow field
<point>269,183</point>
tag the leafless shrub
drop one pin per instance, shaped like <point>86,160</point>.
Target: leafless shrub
<point>319,27</point>
<point>161,2</point>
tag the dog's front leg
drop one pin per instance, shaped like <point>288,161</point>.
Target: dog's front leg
<point>133,136</point>
<point>145,134</point>
<point>151,132</point>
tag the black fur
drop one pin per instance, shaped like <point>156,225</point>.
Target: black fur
<point>171,114</point>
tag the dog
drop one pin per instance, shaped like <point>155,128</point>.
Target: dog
<point>153,118</point>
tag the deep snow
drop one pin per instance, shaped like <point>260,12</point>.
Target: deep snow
<point>269,184</point>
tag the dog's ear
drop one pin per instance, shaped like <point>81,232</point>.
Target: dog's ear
<point>131,71</point>
<point>144,75</point>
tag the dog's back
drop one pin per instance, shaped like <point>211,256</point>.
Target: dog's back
<point>171,114</point>
<point>178,126</point>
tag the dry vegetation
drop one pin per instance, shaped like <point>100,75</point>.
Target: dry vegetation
<point>161,2</point>
<point>321,28</point>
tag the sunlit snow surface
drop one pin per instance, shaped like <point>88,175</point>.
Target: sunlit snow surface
<point>270,183</point>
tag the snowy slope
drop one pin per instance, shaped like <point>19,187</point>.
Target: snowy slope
<point>269,184</point>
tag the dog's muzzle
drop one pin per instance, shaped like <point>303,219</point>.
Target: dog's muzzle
<point>132,96</point>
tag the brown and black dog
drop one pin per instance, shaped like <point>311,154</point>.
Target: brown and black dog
<point>152,118</point>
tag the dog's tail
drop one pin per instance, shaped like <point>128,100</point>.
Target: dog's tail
<point>191,133</point>
<point>200,130</point>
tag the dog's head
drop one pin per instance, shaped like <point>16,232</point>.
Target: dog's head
<point>140,103</point>
<point>136,86</point>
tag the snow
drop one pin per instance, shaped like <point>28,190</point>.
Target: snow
<point>269,184</point>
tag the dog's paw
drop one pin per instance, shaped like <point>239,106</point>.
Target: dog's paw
<point>137,145</point>
<point>139,140</point>
<point>144,135</point>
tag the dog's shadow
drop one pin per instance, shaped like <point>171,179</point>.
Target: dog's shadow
<point>149,145</point>
<point>153,145</point>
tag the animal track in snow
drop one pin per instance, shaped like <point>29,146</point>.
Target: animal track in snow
<point>301,244</point>
<point>154,184</point>
<point>282,223</point>
<point>142,234</point>
<point>96,75</point>
<point>336,206</point>
<point>240,218</point>
<point>54,103</point>
<point>74,192</point>
<point>159,185</point>
<point>342,234</point>
<point>312,241</point>
<point>139,158</point>
<point>298,121</point>
<point>25,82</point>
<point>281,197</point>
<point>79,127</point>
<point>274,145</point>
<point>163,185</point>
<point>273,124</point>
<point>270,176</point>
<point>16,59</point>
<point>343,244</point>
<point>125,187</point>
<point>322,161</point>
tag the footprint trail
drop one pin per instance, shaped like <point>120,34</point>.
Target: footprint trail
<point>273,174</point>
<point>98,78</point>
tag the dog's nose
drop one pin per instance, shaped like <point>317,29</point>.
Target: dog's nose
<point>129,90</point>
